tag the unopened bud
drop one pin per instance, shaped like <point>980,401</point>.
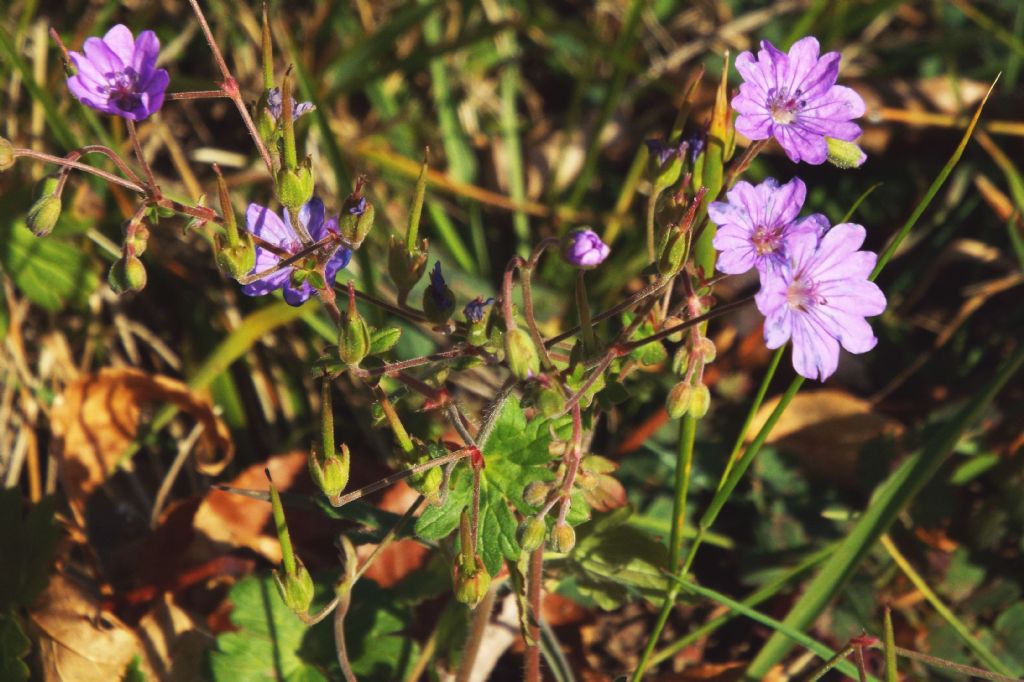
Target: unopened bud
<point>7,157</point>
<point>536,493</point>
<point>700,401</point>
<point>531,534</point>
<point>679,399</point>
<point>563,538</point>
<point>42,216</point>
<point>354,337</point>
<point>356,219</point>
<point>707,350</point>
<point>406,268</point>
<point>330,471</point>
<point>671,322</point>
<point>666,162</point>
<point>521,354</point>
<point>471,585</point>
<point>438,299</point>
<point>236,261</point>
<point>844,154</point>
<point>295,185</point>
<point>140,240</point>
<point>127,274</point>
<point>296,589</point>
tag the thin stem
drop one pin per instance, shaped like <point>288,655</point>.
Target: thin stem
<point>669,331</point>
<point>572,463</point>
<point>197,94</point>
<point>406,312</point>
<point>481,617</point>
<point>652,204</point>
<point>404,441</point>
<point>506,295</point>
<point>395,367</point>
<point>533,585</point>
<point>649,290</point>
<point>583,308</point>
<point>305,252</point>
<point>230,87</point>
<point>393,478</point>
<point>134,136</point>
<point>524,280</point>
<point>339,636</point>
<point>86,168</point>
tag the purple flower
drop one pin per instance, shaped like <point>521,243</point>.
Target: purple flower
<point>118,75</point>
<point>474,310</point>
<point>794,98</point>
<point>360,207</point>
<point>269,227</point>
<point>663,152</point>
<point>275,106</point>
<point>757,222</point>
<point>820,298</point>
<point>584,249</point>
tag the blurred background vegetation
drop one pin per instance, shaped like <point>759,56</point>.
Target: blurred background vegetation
<point>535,115</point>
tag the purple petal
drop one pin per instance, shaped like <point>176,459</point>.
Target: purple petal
<point>155,90</point>
<point>780,205</point>
<point>752,72</point>
<point>102,57</point>
<point>311,215</point>
<point>801,145</point>
<point>147,48</point>
<point>778,326</point>
<point>297,296</point>
<point>815,352</point>
<point>852,331</point>
<point>87,74</point>
<point>756,126</point>
<point>821,77</point>
<point>267,225</point>
<point>816,223</point>
<point>855,297</point>
<point>121,42</point>
<point>801,60</point>
<point>833,258</point>
<point>339,261</point>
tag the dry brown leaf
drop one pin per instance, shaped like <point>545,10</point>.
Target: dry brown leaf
<point>174,642</point>
<point>98,416</point>
<point>826,429</point>
<point>233,521</point>
<point>77,641</point>
<point>401,557</point>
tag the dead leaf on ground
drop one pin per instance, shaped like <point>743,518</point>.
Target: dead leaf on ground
<point>99,415</point>
<point>233,521</point>
<point>826,429</point>
<point>76,640</point>
<point>173,642</point>
<point>401,557</point>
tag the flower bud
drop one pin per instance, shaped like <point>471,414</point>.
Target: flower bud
<point>236,261</point>
<point>671,322</point>
<point>438,299</point>
<point>679,399</point>
<point>582,248</point>
<point>127,274</point>
<point>707,350</point>
<point>471,585</point>
<point>563,538</point>
<point>7,157</point>
<point>666,162</point>
<point>536,493</point>
<point>356,219</point>
<point>700,401</point>
<point>354,337</point>
<point>531,534</point>
<point>521,354</point>
<point>844,154</point>
<point>672,251</point>
<point>296,589</point>
<point>266,124</point>
<point>405,268</point>
<point>42,216</point>
<point>295,185</point>
<point>330,471</point>
<point>140,239</point>
<point>477,313</point>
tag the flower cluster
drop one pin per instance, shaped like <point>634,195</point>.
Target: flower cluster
<point>814,280</point>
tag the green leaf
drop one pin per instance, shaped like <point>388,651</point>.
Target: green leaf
<point>611,559</point>
<point>383,340</point>
<point>271,643</point>
<point>51,273</point>
<point>515,455</point>
<point>14,646</point>
<point>27,545</point>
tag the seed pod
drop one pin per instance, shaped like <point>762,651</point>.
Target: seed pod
<point>43,215</point>
<point>356,219</point>
<point>7,157</point>
<point>330,472</point>
<point>521,354</point>
<point>535,493</point>
<point>531,534</point>
<point>471,586</point>
<point>700,401</point>
<point>844,154</point>
<point>679,398</point>
<point>127,274</point>
<point>296,589</point>
<point>563,538</point>
<point>295,185</point>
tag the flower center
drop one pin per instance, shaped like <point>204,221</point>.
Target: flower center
<point>766,240</point>
<point>783,106</point>
<point>122,87</point>
<point>802,294</point>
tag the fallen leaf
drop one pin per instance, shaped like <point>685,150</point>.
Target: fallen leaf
<point>233,521</point>
<point>98,416</point>
<point>174,642</point>
<point>826,429</point>
<point>401,557</point>
<point>76,640</point>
